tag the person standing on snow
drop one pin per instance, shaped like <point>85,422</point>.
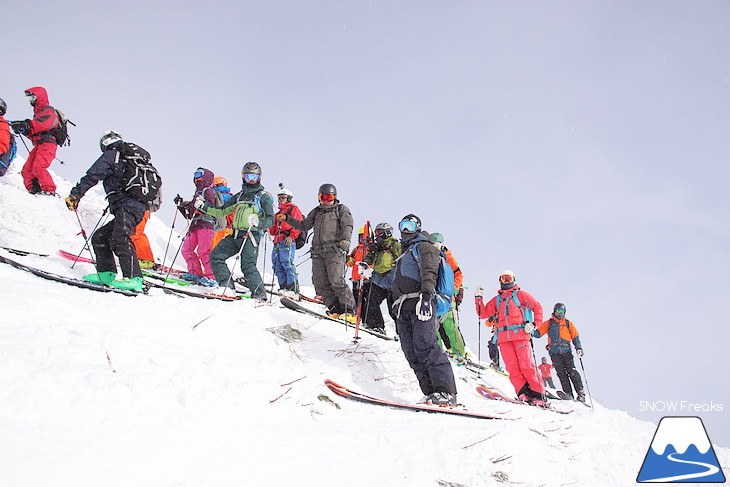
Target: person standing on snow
<point>253,209</point>
<point>381,255</point>
<point>35,174</point>
<point>4,139</point>
<point>414,305</point>
<point>220,185</point>
<point>332,226</point>
<point>546,373</point>
<point>560,333</point>
<point>448,324</point>
<point>114,237</point>
<point>196,246</point>
<point>282,256</point>
<point>516,313</point>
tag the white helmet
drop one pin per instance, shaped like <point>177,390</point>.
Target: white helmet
<point>110,137</point>
<point>283,191</point>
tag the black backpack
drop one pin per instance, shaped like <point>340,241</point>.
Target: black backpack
<point>301,239</point>
<point>140,179</point>
<point>60,131</point>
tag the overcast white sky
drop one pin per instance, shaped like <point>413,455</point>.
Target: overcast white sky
<point>583,145</point>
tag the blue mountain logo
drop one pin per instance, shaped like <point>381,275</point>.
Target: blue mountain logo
<point>681,452</point>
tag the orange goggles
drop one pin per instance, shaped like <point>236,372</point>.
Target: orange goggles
<point>326,197</point>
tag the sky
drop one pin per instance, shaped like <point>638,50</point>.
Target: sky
<point>583,145</point>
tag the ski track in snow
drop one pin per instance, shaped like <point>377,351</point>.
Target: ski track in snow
<point>122,391</point>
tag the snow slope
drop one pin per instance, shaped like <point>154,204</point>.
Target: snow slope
<point>156,390</point>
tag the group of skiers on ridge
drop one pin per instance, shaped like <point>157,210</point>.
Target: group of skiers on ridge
<point>384,268</point>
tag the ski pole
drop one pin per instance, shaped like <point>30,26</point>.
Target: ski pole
<point>87,245</point>
<point>537,375</point>
<point>479,347</point>
<point>358,314</point>
<point>580,359</point>
<point>235,262</point>
<point>170,237</point>
<point>172,264</point>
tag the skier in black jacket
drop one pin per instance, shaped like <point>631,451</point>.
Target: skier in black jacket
<point>113,238</point>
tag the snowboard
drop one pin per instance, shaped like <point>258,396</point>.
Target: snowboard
<point>492,394</point>
<point>293,305</point>
<point>69,280</point>
<point>427,408</point>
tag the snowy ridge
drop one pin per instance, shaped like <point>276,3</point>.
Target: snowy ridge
<point>160,391</point>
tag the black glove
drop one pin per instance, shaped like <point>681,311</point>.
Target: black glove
<point>424,307</point>
<point>178,199</point>
<point>21,126</point>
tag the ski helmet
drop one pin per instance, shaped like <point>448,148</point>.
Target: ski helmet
<point>107,140</point>
<point>410,224</point>
<point>220,181</point>
<point>383,231</point>
<point>559,311</point>
<point>328,188</point>
<point>437,237</point>
<point>285,192</point>
<point>3,107</point>
<point>507,279</point>
<point>251,173</point>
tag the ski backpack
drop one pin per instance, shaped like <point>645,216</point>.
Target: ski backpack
<point>301,239</point>
<point>7,158</point>
<point>60,131</point>
<point>444,282</point>
<point>140,179</point>
<point>528,315</point>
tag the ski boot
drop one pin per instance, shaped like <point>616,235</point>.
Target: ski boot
<point>105,278</point>
<point>128,284</point>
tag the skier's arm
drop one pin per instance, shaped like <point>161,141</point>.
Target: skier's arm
<point>102,168</point>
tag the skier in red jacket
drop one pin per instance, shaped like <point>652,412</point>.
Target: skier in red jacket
<point>35,174</point>
<point>517,311</point>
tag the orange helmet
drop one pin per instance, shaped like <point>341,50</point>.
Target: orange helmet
<point>220,181</point>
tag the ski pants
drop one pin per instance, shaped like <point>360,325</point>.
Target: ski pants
<point>328,277</point>
<point>493,352</point>
<point>196,252</point>
<point>517,356</point>
<point>566,372</point>
<point>372,297</point>
<point>419,342</point>
<point>114,239</point>
<point>249,253</point>
<point>282,259</point>
<point>548,381</point>
<point>141,242</point>
<point>35,170</point>
<point>450,334</point>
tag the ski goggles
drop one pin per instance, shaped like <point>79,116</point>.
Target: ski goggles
<point>282,196</point>
<point>507,279</point>
<point>197,174</point>
<point>249,177</point>
<point>408,226</point>
<point>328,197</point>
<point>31,97</point>
<point>559,311</point>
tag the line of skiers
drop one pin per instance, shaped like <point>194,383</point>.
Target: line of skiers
<point>403,273</point>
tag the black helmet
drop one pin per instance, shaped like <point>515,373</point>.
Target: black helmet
<point>3,107</point>
<point>251,173</point>
<point>413,227</point>
<point>328,188</point>
<point>559,311</point>
<point>107,140</point>
<point>383,231</point>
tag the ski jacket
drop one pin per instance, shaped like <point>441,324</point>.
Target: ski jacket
<point>109,170</point>
<point>411,279</point>
<point>458,275</point>
<point>331,225</point>
<point>545,370</point>
<point>4,136</point>
<point>188,210</point>
<point>357,255</point>
<point>510,317</point>
<point>383,254</point>
<point>250,200</point>
<point>281,230</point>
<point>45,118</point>
<point>225,192</point>
<point>560,333</point>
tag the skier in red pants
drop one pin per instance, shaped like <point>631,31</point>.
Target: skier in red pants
<point>36,177</point>
<point>517,311</point>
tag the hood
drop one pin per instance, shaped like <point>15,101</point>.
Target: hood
<point>509,291</point>
<point>41,97</point>
<point>206,181</point>
<point>248,192</point>
<point>410,239</point>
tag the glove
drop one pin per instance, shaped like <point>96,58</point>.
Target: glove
<point>253,220</point>
<point>288,241</point>
<point>365,270</point>
<point>72,202</point>
<point>479,293</point>
<point>345,245</point>
<point>459,296</point>
<point>178,199</point>
<point>424,307</point>
<point>529,328</point>
<point>280,217</point>
<point>21,126</point>
<point>579,351</point>
<point>199,202</point>
<point>350,262</point>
